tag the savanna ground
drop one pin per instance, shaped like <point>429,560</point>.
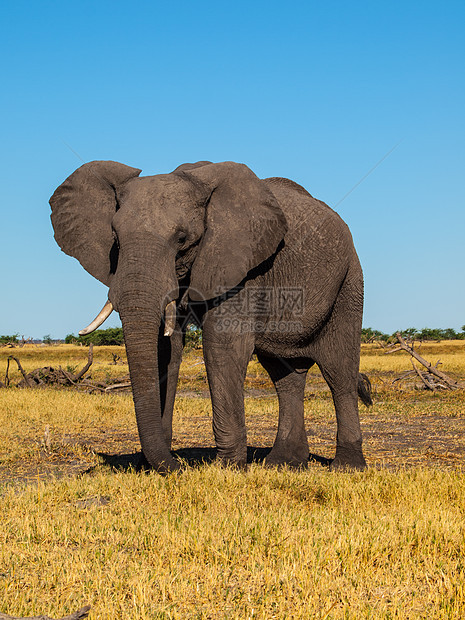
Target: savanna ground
<point>80,524</point>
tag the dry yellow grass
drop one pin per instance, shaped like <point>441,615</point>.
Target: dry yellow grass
<point>215,543</point>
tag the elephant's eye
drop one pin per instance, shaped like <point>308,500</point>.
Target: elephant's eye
<point>182,238</point>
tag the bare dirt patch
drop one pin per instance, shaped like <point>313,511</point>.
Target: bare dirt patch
<point>405,427</point>
<point>401,430</point>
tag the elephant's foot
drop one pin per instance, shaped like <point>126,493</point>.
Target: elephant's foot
<point>292,456</point>
<point>240,465</point>
<point>168,466</point>
<point>233,458</point>
<point>164,466</point>
<point>348,459</point>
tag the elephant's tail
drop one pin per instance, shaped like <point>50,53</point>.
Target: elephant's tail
<point>364,389</point>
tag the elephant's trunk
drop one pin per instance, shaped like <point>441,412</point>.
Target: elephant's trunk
<point>141,300</point>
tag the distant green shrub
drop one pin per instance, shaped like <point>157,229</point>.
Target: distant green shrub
<point>99,338</point>
<point>114,336</point>
<point>428,333</point>
<point>411,333</point>
<point>193,338</point>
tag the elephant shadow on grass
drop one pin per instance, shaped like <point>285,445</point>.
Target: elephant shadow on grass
<point>194,457</point>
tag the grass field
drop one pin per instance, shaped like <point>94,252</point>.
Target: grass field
<point>79,525</point>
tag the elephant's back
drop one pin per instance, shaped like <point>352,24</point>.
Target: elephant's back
<point>286,184</point>
<point>303,210</point>
<point>317,255</point>
<point>317,237</point>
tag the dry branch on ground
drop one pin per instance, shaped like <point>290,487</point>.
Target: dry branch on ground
<point>48,375</point>
<point>432,379</point>
<point>77,615</point>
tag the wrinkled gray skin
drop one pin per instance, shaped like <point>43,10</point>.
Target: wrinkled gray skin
<point>233,251</point>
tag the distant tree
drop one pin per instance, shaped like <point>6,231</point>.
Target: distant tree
<point>47,339</point>
<point>428,333</point>
<point>411,333</point>
<point>369,334</point>
<point>449,334</point>
<point>7,339</point>
<point>436,334</point>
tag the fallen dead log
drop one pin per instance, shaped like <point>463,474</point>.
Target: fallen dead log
<point>427,385</point>
<point>46,376</point>
<point>118,386</point>
<point>90,359</point>
<point>21,369</point>
<point>71,379</point>
<point>81,613</point>
<point>433,378</point>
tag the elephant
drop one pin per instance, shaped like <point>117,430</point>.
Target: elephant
<point>260,264</point>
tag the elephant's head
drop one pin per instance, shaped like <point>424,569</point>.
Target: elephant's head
<point>205,224</point>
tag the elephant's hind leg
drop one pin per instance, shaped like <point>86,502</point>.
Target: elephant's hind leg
<point>291,444</point>
<point>337,353</point>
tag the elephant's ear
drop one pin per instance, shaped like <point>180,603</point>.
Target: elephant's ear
<point>244,226</point>
<point>82,211</point>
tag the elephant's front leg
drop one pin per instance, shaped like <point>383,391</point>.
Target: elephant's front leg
<point>226,359</point>
<point>169,359</point>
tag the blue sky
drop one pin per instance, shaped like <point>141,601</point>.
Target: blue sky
<point>318,92</point>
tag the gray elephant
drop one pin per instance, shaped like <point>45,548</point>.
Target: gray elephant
<point>262,265</point>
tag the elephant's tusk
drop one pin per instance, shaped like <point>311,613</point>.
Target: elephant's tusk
<point>99,319</point>
<point>170,318</point>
